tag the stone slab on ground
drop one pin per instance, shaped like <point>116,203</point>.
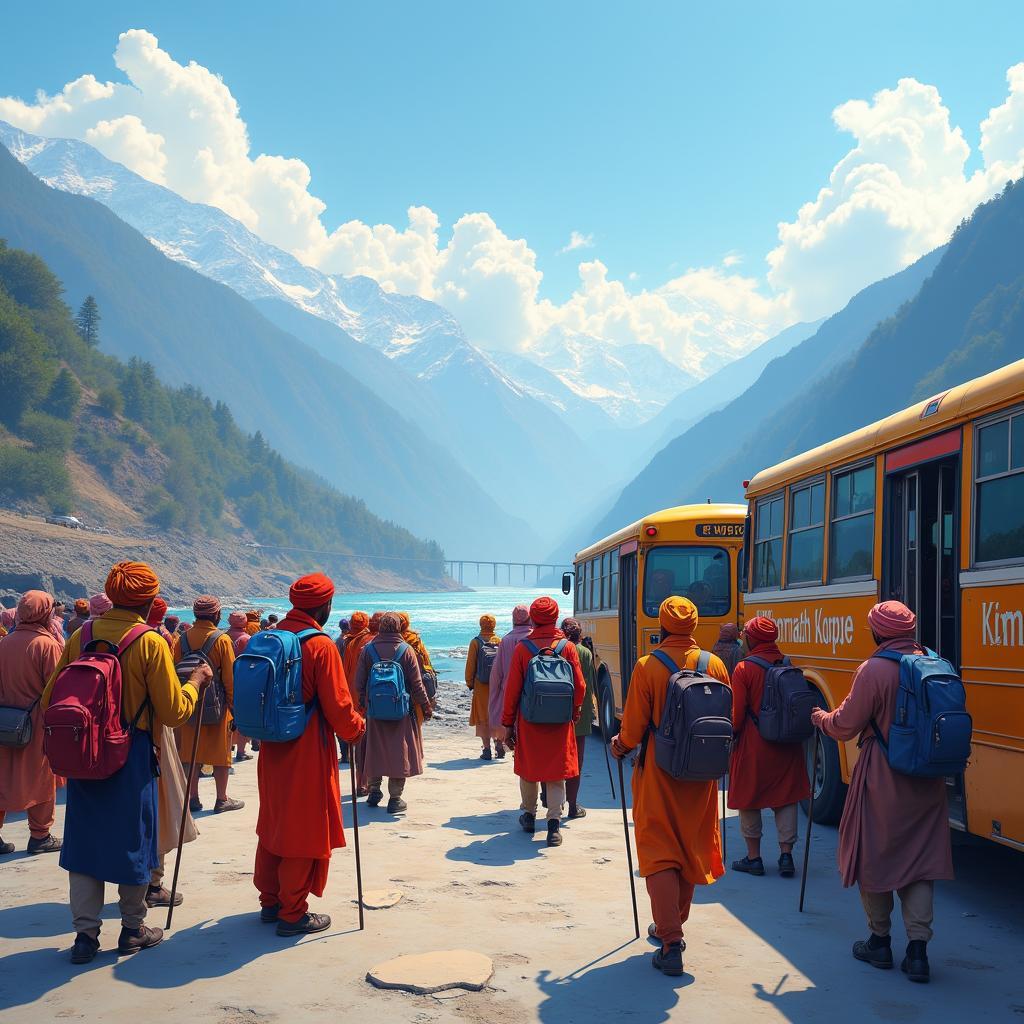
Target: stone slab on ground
<point>380,899</point>
<point>425,973</point>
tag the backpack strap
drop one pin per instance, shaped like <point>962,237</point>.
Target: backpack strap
<point>889,656</point>
<point>184,646</point>
<point>703,662</point>
<point>530,646</point>
<point>560,646</point>
<point>211,640</point>
<point>400,651</point>
<point>760,662</point>
<point>305,634</point>
<point>374,656</point>
<point>672,667</point>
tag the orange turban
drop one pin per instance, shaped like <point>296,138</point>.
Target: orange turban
<point>82,607</point>
<point>311,591</point>
<point>375,622</point>
<point>487,624</point>
<point>404,622</point>
<point>207,606</point>
<point>544,611</point>
<point>131,584</point>
<point>761,630</point>
<point>678,615</point>
<point>34,608</point>
<point>358,622</point>
<point>252,616</point>
<point>892,619</point>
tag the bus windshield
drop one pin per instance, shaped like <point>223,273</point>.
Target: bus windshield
<point>696,571</point>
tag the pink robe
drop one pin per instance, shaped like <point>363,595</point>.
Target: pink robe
<point>895,828</point>
<point>499,672</point>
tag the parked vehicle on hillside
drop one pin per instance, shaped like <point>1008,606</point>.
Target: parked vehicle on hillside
<point>69,521</point>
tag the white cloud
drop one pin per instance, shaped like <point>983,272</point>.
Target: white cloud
<point>577,240</point>
<point>897,193</point>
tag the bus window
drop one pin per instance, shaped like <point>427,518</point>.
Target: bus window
<point>698,572</point>
<point>613,602</point>
<point>768,544</point>
<point>853,523</point>
<point>604,580</point>
<point>999,527</point>
<point>594,572</point>
<point>806,534</point>
<point>581,587</point>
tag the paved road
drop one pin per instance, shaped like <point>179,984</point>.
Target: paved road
<point>557,924</point>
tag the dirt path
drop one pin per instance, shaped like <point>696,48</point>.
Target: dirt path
<point>556,922</point>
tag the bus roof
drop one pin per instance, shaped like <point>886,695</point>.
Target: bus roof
<point>962,402</point>
<point>707,513</point>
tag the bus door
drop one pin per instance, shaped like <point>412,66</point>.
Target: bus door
<point>922,567</point>
<point>627,619</point>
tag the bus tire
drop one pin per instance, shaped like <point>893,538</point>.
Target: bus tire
<point>829,788</point>
<point>609,724</point>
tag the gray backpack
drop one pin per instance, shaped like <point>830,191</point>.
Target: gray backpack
<point>693,740</point>
<point>549,686</point>
<point>215,700</point>
<point>786,703</point>
<point>486,652</point>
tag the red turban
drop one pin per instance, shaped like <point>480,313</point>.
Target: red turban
<point>544,611</point>
<point>728,632</point>
<point>358,622</point>
<point>375,622</point>
<point>892,619</point>
<point>311,591</point>
<point>761,630</point>
<point>131,584</point>
<point>678,616</point>
<point>206,607</point>
<point>157,612</point>
<point>171,623</point>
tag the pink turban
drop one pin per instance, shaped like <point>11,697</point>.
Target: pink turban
<point>892,619</point>
<point>99,604</point>
<point>237,620</point>
<point>520,615</point>
<point>34,608</point>
<point>761,630</point>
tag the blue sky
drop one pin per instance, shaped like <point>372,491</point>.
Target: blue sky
<point>672,133</point>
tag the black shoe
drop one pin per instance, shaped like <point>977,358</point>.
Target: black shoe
<point>554,832</point>
<point>255,744</point>
<point>486,755</point>
<point>877,951</point>
<point>306,925</point>
<point>577,812</point>
<point>396,805</point>
<point>749,866</point>
<point>374,797</point>
<point>49,844</point>
<point>499,751</point>
<point>787,867</point>
<point>85,949</point>
<point>915,963</point>
<point>142,937</point>
<point>158,896</point>
<point>6,848</point>
<point>195,805</point>
<point>268,915</point>
<point>528,822</point>
<point>669,961</point>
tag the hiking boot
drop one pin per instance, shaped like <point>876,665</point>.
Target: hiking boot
<point>499,751</point>
<point>374,798</point>
<point>577,812</point>
<point>85,949</point>
<point>396,805</point>
<point>877,951</point>
<point>243,756</point>
<point>306,925</point>
<point>5,848</point>
<point>268,915</point>
<point>669,961</point>
<point>528,822</point>
<point>749,866</point>
<point>228,804</point>
<point>554,832</point>
<point>142,937</point>
<point>158,896</point>
<point>49,844</point>
<point>915,963</point>
<point>486,755</point>
<point>195,805</point>
<point>787,867</point>
<point>255,744</point>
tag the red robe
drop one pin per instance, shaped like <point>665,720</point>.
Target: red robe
<point>543,753</point>
<point>300,797</point>
<point>761,774</point>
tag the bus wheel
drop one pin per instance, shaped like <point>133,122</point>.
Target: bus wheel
<point>606,709</point>
<point>829,788</point>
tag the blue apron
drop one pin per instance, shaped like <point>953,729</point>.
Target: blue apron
<point>110,825</point>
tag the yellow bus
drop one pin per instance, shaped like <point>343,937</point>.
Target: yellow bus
<point>620,582</point>
<point>925,506</point>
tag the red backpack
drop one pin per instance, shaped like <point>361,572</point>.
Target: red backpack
<point>84,734</point>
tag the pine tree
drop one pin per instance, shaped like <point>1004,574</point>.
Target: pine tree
<point>87,320</point>
<point>64,396</point>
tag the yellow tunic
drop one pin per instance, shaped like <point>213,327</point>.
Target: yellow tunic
<point>214,740</point>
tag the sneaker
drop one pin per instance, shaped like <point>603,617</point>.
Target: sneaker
<point>6,848</point>
<point>396,805</point>
<point>577,812</point>
<point>158,896</point>
<point>85,949</point>
<point>306,925</point>
<point>528,822</point>
<point>669,961</point>
<point>228,804</point>
<point>486,755</point>
<point>876,951</point>
<point>195,805</point>
<point>915,963</point>
<point>554,833</point>
<point>268,915</point>
<point>142,937</point>
<point>49,844</point>
<point>749,866</point>
<point>374,798</point>
<point>787,867</point>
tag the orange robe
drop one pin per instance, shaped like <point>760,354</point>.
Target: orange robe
<point>354,645</point>
<point>676,822</point>
<point>214,740</point>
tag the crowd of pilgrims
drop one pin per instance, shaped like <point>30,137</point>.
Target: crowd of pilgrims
<point>894,835</point>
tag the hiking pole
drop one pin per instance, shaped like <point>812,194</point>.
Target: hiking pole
<point>192,768</point>
<point>810,820</point>
<point>355,833</point>
<point>607,759</point>
<point>629,851</point>
<point>722,787</point>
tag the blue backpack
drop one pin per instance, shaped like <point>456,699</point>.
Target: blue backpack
<point>549,686</point>
<point>930,735</point>
<point>387,699</point>
<point>268,701</point>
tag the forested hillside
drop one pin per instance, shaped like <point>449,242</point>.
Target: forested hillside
<point>175,458</point>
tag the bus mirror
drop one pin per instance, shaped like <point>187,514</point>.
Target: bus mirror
<point>567,583</point>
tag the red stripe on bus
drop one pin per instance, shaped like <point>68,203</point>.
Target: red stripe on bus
<point>629,547</point>
<point>922,451</point>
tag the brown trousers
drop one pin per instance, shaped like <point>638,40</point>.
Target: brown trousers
<point>671,898</point>
<point>40,819</point>
<point>87,895</point>
<point>916,903</point>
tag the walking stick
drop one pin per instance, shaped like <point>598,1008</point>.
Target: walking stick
<point>722,787</point>
<point>355,833</point>
<point>192,767</point>
<point>607,759</point>
<point>810,820</point>
<point>629,851</point>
